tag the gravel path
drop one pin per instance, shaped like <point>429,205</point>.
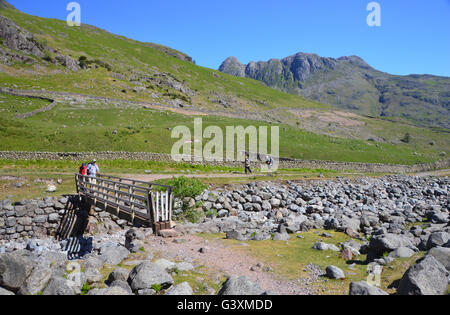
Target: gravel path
<point>224,260</point>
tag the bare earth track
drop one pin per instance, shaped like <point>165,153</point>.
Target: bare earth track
<point>222,259</point>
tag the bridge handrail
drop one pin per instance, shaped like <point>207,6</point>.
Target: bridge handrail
<point>137,181</point>
<point>152,206</point>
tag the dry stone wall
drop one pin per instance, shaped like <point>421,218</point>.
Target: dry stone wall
<point>30,218</point>
<point>284,163</point>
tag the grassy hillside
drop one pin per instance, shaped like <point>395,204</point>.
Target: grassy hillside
<point>91,127</point>
<point>132,64</point>
<point>122,69</point>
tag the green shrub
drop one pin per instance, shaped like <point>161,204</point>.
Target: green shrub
<point>157,287</point>
<point>192,215</point>
<point>211,213</point>
<point>186,187</point>
<point>85,289</point>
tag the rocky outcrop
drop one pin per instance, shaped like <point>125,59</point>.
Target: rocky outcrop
<point>68,62</point>
<point>17,38</point>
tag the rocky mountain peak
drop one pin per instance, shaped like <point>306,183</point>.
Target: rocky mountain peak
<point>233,66</point>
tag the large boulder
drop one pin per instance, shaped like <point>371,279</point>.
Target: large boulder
<point>36,282</point>
<point>380,244</point>
<point>364,288</point>
<point>147,275</point>
<point>438,239</point>
<point>114,255</point>
<point>93,275</point>
<point>122,284</point>
<point>14,270</point>
<point>426,277</point>
<point>166,264</point>
<point>241,286</point>
<point>441,254</point>
<point>235,235</point>
<point>281,237</point>
<point>180,289</point>
<point>334,272</point>
<point>120,274</point>
<point>59,286</point>
<point>4,292</point>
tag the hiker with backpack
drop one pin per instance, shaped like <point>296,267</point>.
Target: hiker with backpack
<point>92,171</point>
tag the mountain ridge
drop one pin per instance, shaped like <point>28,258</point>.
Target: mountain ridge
<point>350,83</point>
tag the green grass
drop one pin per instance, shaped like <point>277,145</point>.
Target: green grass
<point>86,128</point>
<point>200,280</point>
<point>289,259</point>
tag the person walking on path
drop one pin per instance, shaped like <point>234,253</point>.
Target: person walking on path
<point>247,165</point>
<point>92,171</point>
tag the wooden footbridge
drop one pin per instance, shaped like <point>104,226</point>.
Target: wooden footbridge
<point>138,202</point>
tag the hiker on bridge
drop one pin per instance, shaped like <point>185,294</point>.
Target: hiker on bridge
<point>83,169</point>
<point>92,171</point>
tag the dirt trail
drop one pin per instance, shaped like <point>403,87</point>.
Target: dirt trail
<point>154,177</point>
<point>434,173</point>
<point>223,259</point>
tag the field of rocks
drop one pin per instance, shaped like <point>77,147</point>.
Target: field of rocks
<point>304,237</point>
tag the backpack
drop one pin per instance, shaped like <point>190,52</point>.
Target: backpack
<point>89,170</point>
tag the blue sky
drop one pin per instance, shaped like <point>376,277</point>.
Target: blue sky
<point>414,36</point>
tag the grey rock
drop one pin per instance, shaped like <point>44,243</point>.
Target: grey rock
<point>113,290</point>
<point>180,289</point>
<point>4,292</point>
<point>36,282</point>
<point>364,288</point>
<point>438,239</point>
<point>59,286</point>
<point>239,286</point>
<point>281,237</point>
<point>402,252</point>
<point>14,270</point>
<point>426,277</point>
<point>122,284</point>
<point>120,274</point>
<point>380,244</point>
<point>442,255</point>
<point>93,275</point>
<point>166,264</point>
<point>146,292</point>
<point>93,262</point>
<point>53,218</point>
<point>334,272</point>
<point>148,274</point>
<point>114,255</point>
